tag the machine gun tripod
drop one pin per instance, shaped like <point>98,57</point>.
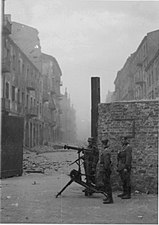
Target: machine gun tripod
<point>76,175</point>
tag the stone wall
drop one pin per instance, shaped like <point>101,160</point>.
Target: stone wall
<point>139,121</point>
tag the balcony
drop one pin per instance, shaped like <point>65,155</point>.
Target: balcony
<point>31,112</point>
<point>5,104</point>
<point>6,64</point>
<point>30,86</point>
<point>7,26</point>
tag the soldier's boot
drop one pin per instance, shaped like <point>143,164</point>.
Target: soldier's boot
<point>124,192</point>
<point>121,195</point>
<point>108,200</point>
<point>128,194</point>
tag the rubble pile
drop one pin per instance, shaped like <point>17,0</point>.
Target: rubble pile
<point>49,147</point>
<point>36,161</point>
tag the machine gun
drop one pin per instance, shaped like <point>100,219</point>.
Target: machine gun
<point>77,148</point>
<point>76,175</point>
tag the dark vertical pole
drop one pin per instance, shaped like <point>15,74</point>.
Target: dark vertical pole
<point>95,100</point>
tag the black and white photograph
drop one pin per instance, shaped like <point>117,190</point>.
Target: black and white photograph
<point>79,112</point>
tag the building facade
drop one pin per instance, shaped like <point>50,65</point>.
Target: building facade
<point>138,79</point>
<point>51,98</point>
<point>22,90</point>
<point>27,39</point>
<point>31,83</point>
<point>68,120</point>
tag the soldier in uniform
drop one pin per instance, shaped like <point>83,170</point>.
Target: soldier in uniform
<point>95,158</point>
<point>124,159</point>
<point>90,162</point>
<point>103,175</point>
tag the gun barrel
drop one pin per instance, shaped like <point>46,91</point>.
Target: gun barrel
<point>76,148</point>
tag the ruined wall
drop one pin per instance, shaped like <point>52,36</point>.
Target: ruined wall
<point>139,120</point>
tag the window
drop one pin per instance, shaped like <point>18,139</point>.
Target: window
<point>32,73</point>
<point>27,101</point>
<point>23,69</point>
<point>18,96</point>
<point>13,93</point>
<point>149,79</point>
<point>7,90</point>
<point>152,77</point>
<point>40,108</point>
<point>8,53</point>
<point>19,65</point>
<point>31,102</point>
<point>23,98</point>
<point>14,62</point>
<point>27,72</point>
<point>157,92</point>
<point>153,96</point>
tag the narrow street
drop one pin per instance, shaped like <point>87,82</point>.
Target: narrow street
<point>31,197</point>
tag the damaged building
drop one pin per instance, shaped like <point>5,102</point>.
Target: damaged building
<point>51,98</point>
<point>31,82</point>
<point>68,120</point>
<point>139,77</point>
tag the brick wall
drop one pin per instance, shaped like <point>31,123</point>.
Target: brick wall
<point>139,120</point>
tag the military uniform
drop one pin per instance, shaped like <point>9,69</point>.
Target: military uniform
<point>90,162</point>
<point>103,175</point>
<point>105,160</point>
<point>124,159</point>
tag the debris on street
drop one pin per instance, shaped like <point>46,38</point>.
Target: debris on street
<point>35,160</point>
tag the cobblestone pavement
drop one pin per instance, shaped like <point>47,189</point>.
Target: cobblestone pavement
<point>31,197</point>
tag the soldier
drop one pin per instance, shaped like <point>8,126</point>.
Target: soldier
<point>95,158</point>
<point>124,159</point>
<point>90,161</point>
<point>103,175</point>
